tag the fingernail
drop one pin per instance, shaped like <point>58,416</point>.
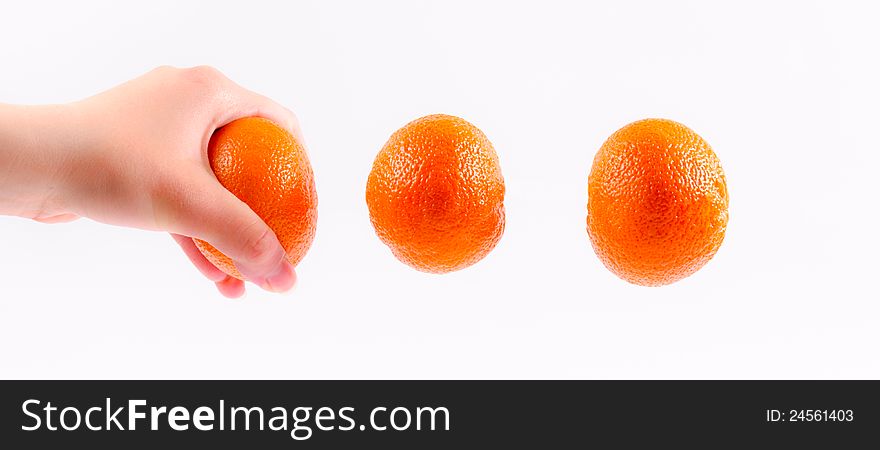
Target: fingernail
<point>282,280</point>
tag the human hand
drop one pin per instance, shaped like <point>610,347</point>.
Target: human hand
<point>136,156</point>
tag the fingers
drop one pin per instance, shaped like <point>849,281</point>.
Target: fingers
<point>247,103</point>
<point>228,286</point>
<point>192,252</point>
<point>237,102</point>
<point>203,208</point>
<point>231,287</point>
<point>60,218</point>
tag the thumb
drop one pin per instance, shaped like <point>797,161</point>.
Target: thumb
<point>204,209</point>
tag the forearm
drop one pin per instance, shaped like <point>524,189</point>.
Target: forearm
<point>38,149</point>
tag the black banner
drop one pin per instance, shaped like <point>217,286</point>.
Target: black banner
<point>440,414</point>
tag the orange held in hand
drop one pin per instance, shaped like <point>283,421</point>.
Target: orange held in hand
<point>264,166</point>
<point>657,208</point>
<point>436,194</point>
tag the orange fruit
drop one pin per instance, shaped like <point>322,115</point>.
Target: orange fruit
<point>264,166</point>
<point>436,194</point>
<point>657,208</point>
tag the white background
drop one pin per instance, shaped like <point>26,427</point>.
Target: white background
<point>785,92</point>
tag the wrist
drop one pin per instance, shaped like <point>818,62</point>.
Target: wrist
<point>40,150</point>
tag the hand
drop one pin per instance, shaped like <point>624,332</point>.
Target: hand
<point>136,156</point>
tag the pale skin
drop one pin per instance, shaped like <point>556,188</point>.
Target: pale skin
<point>136,156</point>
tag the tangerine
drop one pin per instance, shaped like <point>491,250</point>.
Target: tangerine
<point>267,168</point>
<point>436,194</point>
<point>657,208</point>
